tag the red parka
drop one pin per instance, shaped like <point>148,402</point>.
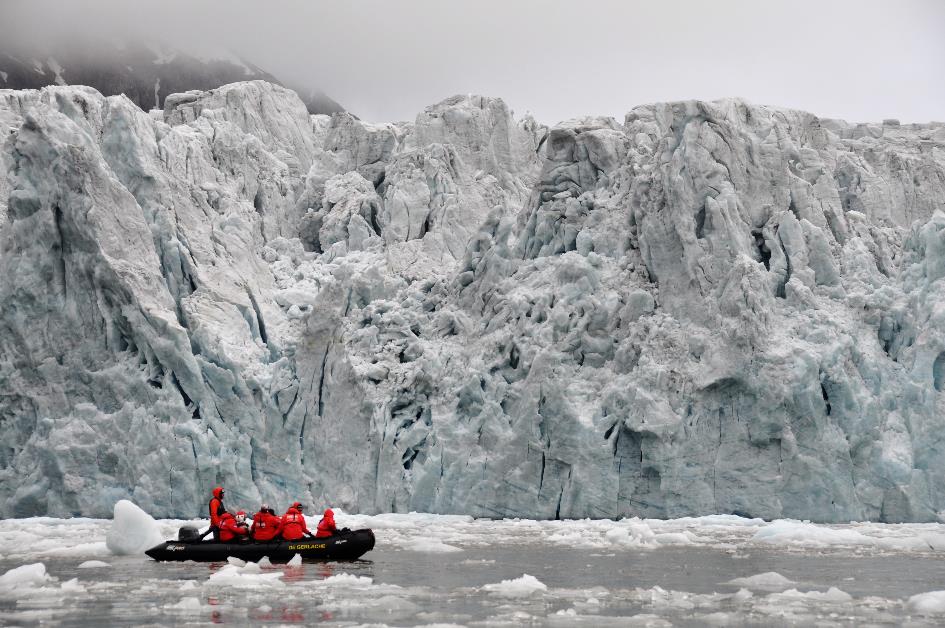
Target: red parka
<point>266,526</point>
<point>293,525</point>
<point>326,527</point>
<point>229,529</point>
<point>216,507</point>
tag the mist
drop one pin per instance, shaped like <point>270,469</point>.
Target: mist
<point>861,61</point>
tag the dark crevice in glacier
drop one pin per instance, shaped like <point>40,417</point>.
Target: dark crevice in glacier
<point>60,247</point>
<point>189,404</point>
<point>700,222</point>
<point>321,385</point>
<point>260,324</point>
<point>764,253</point>
<point>938,372</point>
<point>258,200</point>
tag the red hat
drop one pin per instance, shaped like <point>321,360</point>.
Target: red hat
<point>218,492</point>
<point>297,505</point>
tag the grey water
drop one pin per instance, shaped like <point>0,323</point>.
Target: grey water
<point>599,587</point>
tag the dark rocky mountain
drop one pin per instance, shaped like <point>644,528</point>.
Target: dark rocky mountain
<point>146,74</point>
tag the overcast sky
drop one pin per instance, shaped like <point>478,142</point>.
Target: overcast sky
<point>387,59</point>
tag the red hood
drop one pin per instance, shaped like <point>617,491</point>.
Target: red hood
<point>218,492</point>
<point>329,515</point>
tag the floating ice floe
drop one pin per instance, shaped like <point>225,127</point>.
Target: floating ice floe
<point>770,580</point>
<point>33,581</point>
<point>433,546</point>
<point>24,575</point>
<point>832,595</point>
<point>346,579</point>
<point>518,587</point>
<point>132,531</point>
<point>94,564</point>
<point>247,576</point>
<point>787,532</point>
<point>931,603</point>
<point>185,605</point>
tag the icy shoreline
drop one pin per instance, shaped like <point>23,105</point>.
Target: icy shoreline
<point>85,538</point>
<point>713,570</point>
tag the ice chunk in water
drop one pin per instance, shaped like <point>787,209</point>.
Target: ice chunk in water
<point>133,530</point>
<point>771,580</point>
<point>72,586</point>
<point>185,605</point>
<point>24,576</point>
<point>251,568</point>
<point>433,546</point>
<point>344,579</point>
<point>831,595</point>
<point>233,560</point>
<point>93,564</point>
<point>517,587</point>
<point>931,603</point>
<point>296,561</point>
<point>233,576</point>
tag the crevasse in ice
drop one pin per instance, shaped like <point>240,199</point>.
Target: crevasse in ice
<point>703,308</point>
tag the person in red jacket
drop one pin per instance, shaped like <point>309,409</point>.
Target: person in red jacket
<point>293,523</point>
<point>266,524</point>
<point>326,527</point>
<point>216,511</point>
<point>233,528</point>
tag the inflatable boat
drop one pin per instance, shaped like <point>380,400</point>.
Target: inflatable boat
<point>343,545</point>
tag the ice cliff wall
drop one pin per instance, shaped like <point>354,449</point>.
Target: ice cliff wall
<point>708,307</point>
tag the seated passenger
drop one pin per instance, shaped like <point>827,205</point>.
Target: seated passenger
<point>293,523</point>
<point>326,527</point>
<point>233,528</point>
<point>266,524</point>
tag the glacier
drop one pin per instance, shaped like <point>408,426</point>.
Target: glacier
<point>708,307</point>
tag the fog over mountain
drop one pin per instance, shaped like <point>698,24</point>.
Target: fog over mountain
<point>697,306</point>
<point>860,60</point>
<point>145,73</point>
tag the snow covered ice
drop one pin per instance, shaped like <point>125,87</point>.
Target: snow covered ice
<point>690,571</point>
<point>703,308</point>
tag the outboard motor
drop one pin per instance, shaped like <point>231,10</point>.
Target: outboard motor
<point>188,534</point>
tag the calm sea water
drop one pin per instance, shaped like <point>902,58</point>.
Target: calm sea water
<point>666,586</point>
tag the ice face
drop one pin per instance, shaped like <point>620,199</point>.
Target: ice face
<point>705,308</point>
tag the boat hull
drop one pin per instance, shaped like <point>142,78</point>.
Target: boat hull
<point>348,546</point>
